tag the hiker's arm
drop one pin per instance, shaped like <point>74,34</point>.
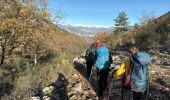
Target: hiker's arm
<point>120,71</point>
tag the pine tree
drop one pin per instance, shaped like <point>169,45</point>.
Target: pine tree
<point>121,22</point>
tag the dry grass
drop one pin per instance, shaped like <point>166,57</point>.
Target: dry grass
<point>160,80</point>
<point>33,79</point>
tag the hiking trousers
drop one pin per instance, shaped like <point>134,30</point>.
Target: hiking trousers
<point>140,95</point>
<point>89,65</point>
<point>126,93</point>
<point>102,76</point>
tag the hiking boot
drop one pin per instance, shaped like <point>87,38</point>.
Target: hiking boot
<point>88,79</point>
<point>100,98</point>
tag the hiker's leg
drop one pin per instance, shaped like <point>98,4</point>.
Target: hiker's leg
<point>124,96</point>
<point>136,96</point>
<point>100,82</point>
<point>90,70</point>
<point>126,93</point>
<point>89,67</point>
<point>144,96</point>
<point>122,93</point>
<point>105,77</point>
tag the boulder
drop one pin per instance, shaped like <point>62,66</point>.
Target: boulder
<point>35,98</point>
<point>74,97</point>
<point>77,87</point>
<point>48,90</point>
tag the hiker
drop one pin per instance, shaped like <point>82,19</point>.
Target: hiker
<point>124,71</point>
<point>103,64</point>
<point>139,74</point>
<point>135,77</point>
<point>90,57</point>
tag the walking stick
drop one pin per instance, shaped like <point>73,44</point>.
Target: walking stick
<point>90,74</point>
<point>110,87</point>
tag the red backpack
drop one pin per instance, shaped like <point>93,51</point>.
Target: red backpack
<point>126,79</point>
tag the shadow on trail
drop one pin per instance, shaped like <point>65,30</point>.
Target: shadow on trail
<point>60,87</point>
<point>82,70</point>
<point>5,88</point>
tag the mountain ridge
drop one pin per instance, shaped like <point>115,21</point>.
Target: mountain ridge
<point>86,31</point>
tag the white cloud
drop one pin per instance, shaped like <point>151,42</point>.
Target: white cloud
<point>84,25</point>
<point>97,26</point>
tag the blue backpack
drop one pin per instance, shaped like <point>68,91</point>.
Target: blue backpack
<point>139,71</point>
<point>102,61</point>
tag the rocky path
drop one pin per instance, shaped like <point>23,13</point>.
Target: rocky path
<point>76,86</point>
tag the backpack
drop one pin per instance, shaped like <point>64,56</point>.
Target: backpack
<point>126,79</point>
<point>139,71</point>
<point>103,61</point>
<point>90,54</point>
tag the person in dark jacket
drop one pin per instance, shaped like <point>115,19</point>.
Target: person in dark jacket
<point>90,57</point>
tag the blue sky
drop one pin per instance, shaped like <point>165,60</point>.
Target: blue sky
<point>102,12</point>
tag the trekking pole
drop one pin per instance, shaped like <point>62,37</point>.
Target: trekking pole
<point>110,88</point>
<point>90,74</point>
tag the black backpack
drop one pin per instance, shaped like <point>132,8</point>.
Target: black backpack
<point>91,54</point>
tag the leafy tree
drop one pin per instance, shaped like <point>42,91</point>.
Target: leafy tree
<point>25,25</point>
<point>121,22</point>
<point>27,29</point>
<point>103,37</point>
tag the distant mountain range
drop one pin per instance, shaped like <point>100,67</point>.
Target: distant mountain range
<point>86,32</point>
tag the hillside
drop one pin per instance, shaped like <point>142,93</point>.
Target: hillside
<point>68,42</point>
<point>32,49</point>
<point>154,35</point>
